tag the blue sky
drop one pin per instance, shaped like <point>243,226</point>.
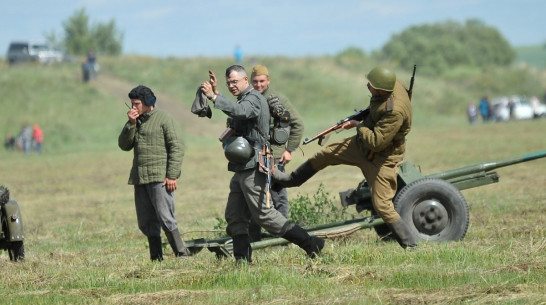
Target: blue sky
<point>267,27</point>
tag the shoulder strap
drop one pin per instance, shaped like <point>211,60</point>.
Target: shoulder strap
<point>389,105</point>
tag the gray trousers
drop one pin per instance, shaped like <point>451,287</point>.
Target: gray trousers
<point>280,203</point>
<point>246,200</point>
<point>280,198</point>
<point>154,208</point>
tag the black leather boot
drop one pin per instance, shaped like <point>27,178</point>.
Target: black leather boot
<point>298,177</point>
<point>156,249</point>
<point>254,231</point>
<point>176,242</point>
<point>241,249</point>
<point>311,244</point>
<point>403,234</point>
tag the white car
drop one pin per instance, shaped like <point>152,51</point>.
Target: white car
<point>523,109</point>
<point>23,51</point>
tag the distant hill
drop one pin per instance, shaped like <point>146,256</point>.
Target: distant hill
<point>534,56</point>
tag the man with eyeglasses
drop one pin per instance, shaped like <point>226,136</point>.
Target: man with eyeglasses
<point>249,117</point>
<point>285,133</point>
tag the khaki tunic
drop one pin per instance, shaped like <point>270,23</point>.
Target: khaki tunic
<point>383,133</point>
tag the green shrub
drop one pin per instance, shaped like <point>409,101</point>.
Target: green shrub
<point>305,211</point>
<point>322,209</point>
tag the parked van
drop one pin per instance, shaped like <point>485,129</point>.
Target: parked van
<point>22,51</point>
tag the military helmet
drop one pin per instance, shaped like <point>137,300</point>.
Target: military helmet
<point>382,79</point>
<point>238,150</point>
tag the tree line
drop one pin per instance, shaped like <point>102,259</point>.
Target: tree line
<point>80,36</point>
<point>442,46</point>
<point>435,48</point>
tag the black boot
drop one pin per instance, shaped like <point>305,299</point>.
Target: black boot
<point>254,231</point>
<point>176,242</point>
<point>403,234</point>
<point>311,244</point>
<point>241,249</point>
<point>156,249</point>
<point>296,178</point>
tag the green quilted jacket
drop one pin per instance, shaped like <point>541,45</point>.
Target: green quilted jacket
<point>157,146</point>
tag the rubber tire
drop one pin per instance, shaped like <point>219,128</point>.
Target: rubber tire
<point>434,210</point>
<point>16,251</point>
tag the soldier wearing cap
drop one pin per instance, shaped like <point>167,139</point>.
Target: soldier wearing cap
<point>377,149</point>
<point>285,133</point>
<point>156,141</point>
<point>249,117</point>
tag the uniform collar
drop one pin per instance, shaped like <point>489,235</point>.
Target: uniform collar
<point>245,92</point>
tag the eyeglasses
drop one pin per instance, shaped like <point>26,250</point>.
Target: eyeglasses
<point>233,82</point>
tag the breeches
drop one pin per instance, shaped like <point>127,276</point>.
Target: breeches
<point>380,173</point>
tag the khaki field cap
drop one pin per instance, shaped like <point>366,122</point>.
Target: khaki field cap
<point>259,70</point>
<point>382,79</point>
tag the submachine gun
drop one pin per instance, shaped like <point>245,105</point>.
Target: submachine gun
<point>357,116</point>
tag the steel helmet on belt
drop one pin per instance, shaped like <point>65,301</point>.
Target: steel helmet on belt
<point>382,79</point>
<point>238,150</point>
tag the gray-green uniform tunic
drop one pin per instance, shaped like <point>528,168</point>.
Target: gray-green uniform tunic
<point>249,116</point>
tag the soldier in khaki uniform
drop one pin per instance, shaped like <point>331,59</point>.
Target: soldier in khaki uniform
<point>285,133</point>
<point>377,149</point>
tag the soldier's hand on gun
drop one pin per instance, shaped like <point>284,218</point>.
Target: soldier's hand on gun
<point>170,184</point>
<point>349,124</point>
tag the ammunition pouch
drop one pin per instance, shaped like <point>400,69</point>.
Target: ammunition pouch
<point>280,132</point>
<point>229,132</point>
<point>280,135</point>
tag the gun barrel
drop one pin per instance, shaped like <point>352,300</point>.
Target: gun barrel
<point>486,166</point>
<point>224,246</point>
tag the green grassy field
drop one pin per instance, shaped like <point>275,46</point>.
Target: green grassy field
<point>83,245</point>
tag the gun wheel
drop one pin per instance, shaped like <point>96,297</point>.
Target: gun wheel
<point>434,210</point>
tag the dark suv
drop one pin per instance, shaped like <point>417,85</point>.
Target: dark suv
<point>22,51</point>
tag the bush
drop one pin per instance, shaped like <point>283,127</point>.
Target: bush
<point>306,212</point>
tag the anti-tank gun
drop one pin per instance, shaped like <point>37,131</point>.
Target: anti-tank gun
<point>431,204</point>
